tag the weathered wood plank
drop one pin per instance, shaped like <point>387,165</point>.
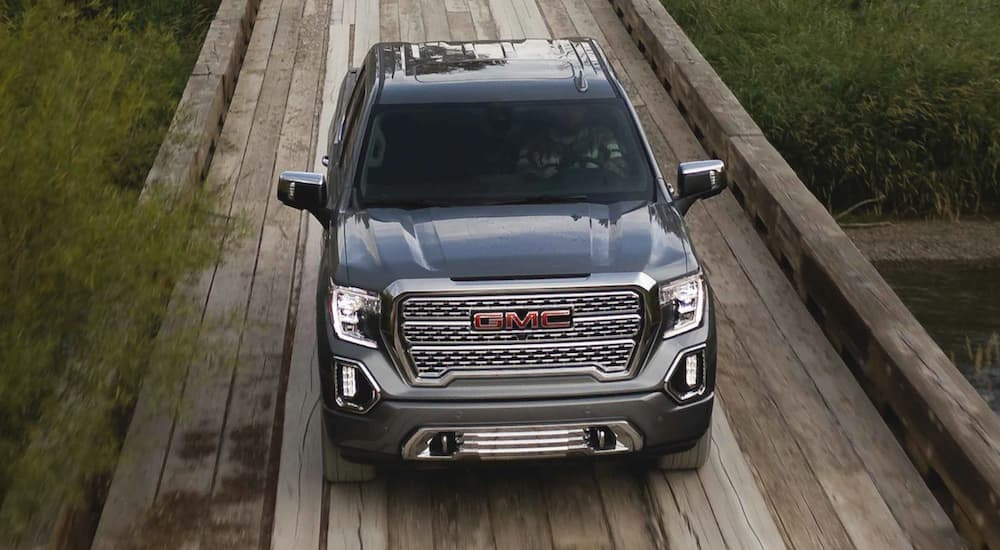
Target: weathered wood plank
<point>556,18</point>
<point>189,475</point>
<point>435,20</point>
<point>411,21</point>
<point>460,26</point>
<point>576,513</point>
<point>460,510</point>
<point>299,489</point>
<point>530,19</point>
<point>912,504</point>
<point>505,19</point>
<point>248,455</point>
<point>367,27</point>
<point>389,20</point>
<point>409,524</point>
<point>632,523</point>
<point>128,508</point>
<point>736,500</point>
<point>374,514</point>
<point>797,500</point>
<point>518,510</point>
<point>344,527</point>
<point>831,458</point>
<point>482,20</point>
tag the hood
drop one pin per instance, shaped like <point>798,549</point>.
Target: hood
<point>379,246</point>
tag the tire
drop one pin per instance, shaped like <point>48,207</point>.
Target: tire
<point>337,469</point>
<point>691,459</point>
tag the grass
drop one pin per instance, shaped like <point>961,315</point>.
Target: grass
<point>87,91</point>
<point>891,101</point>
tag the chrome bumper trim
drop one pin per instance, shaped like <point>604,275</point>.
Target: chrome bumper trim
<point>522,441</point>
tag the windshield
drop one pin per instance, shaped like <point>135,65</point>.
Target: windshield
<point>499,153</point>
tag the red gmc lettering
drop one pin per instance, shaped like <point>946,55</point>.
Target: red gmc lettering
<point>512,320</point>
<point>487,321</point>
<point>556,318</point>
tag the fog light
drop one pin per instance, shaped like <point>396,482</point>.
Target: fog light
<point>354,388</point>
<point>686,379</point>
<point>691,371</point>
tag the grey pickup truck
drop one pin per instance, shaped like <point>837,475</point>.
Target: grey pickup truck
<point>505,272</point>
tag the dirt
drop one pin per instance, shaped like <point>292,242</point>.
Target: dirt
<point>930,241</point>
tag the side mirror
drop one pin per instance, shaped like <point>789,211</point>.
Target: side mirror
<point>698,180</point>
<point>304,191</point>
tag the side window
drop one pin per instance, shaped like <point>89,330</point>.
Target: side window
<point>354,109</point>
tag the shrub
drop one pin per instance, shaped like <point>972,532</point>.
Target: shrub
<point>868,99</point>
<point>84,101</point>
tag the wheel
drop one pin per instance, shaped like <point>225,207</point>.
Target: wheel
<point>691,459</point>
<point>337,469</point>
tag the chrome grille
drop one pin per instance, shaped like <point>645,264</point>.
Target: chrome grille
<point>438,343</point>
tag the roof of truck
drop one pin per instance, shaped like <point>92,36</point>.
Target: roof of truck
<point>456,72</point>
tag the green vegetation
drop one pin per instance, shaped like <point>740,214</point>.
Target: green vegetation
<point>87,91</point>
<point>896,101</point>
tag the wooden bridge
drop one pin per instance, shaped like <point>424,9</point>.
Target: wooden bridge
<point>839,423</point>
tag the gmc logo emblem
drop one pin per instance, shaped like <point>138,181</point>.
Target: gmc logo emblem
<point>522,319</point>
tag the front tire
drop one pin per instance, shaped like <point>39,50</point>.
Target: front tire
<point>691,459</point>
<point>337,469</point>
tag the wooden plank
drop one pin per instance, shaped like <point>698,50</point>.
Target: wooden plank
<point>911,503</point>
<point>797,500</point>
<point>556,18</point>
<point>460,26</point>
<point>518,510</point>
<point>246,469</point>
<point>460,510</point>
<point>411,21</point>
<point>852,492</point>
<point>190,471</point>
<point>677,529</point>
<point>367,28</point>
<point>632,523</point>
<point>692,504</point>
<point>409,526</point>
<point>374,514</point>
<point>742,513</point>
<point>456,6</point>
<point>482,20</point>
<point>506,21</point>
<point>129,511</point>
<point>576,513</point>
<point>343,529</point>
<point>299,489</point>
<point>435,20</point>
<point>530,18</point>
<point>389,21</point>
<point>358,516</point>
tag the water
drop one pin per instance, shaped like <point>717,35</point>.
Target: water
<point>959,305</point>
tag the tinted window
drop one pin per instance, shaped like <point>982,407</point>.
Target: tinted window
<point>503,152</point>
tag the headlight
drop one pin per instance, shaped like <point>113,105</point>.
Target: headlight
<point>683,301</point>
<point>355,314</point>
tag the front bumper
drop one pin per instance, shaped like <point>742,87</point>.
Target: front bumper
<point>380,435</point>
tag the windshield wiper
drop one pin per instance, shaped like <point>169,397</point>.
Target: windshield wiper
<point>539,200</point>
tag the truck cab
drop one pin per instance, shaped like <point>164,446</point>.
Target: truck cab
<point>506,274</point>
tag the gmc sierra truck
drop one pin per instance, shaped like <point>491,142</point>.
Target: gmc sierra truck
<point>505,272</point>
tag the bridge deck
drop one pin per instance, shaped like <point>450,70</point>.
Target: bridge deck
<point>800,456</point>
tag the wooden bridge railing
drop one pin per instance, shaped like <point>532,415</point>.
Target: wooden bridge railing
<point>187,149</point>
<point>949,432</point>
